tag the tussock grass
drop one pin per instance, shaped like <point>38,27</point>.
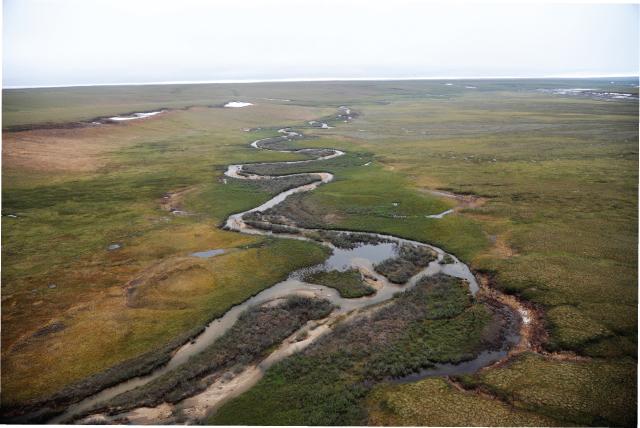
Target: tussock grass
<point>433,402</point>
<point>578,392</point>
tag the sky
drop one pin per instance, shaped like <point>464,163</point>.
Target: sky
<point>76,42</point>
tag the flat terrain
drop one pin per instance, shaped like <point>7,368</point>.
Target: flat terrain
<point>99,223</point>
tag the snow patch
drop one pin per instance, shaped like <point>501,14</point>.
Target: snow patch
<point>237,104</point>
<point>135,116</point>
<point>442,214</point>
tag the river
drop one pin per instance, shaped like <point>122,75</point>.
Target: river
<point>362,257</point>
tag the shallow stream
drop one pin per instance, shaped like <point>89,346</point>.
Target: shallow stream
<point>362,257</point>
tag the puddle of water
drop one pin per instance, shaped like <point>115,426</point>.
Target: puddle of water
<point>449,369</point>
<point>342,259</point>
<point>208,253</point>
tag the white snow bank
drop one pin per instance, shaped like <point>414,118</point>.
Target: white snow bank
<point>237,104</point>
<point>135,116</point>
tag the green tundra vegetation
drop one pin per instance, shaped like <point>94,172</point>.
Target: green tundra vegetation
<point>326,384</point>
<point>349,283</point>
<point>256,331</point>
<point>57,268</point>
<point>552,181</point>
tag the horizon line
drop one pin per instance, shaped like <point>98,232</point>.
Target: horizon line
<point>328,79</point>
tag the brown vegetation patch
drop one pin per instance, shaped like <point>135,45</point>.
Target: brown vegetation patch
<point>501,248</point>
<point>172,201</point>
<point>53,326</point>
<point>467,201</point>
<point>77,150</point>
<point>532,332</point>
<point>533,335</point>
<point>369,277</point>
<point>156,284</point>
<point>68,147</point>
<point>332,218</point>
<point>478,390</point>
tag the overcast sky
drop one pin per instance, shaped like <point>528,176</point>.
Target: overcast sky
<point>65,42</point>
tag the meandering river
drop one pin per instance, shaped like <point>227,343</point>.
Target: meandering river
<point>362,257</point>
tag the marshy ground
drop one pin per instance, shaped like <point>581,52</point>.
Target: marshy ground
<point>546,207</point>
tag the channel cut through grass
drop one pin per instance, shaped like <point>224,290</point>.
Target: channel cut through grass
<point>558,227</point>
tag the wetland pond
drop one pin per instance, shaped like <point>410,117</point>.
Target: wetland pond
<point>208,253</point>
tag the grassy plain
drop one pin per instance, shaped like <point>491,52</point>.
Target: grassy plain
<point>558,227</point>
<point>57,268</point>
<point>560,176</point>
<point>434,402</point>
<point>587,392</point>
